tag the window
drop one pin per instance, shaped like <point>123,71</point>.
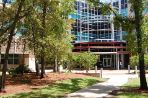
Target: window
<point>12,59</point>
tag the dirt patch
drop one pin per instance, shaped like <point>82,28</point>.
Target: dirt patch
<point>30,81</point>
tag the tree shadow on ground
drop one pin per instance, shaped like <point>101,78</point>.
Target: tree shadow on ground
<point>97,90</point>
<point>57,90</point>
<point>130,92</point>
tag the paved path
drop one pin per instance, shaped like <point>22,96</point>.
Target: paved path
<point>102,89</point>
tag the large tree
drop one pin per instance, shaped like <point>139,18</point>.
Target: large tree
<point>11,18</point>
<point>134,26</point>
<point>60,48</point>
<point>47,28</point>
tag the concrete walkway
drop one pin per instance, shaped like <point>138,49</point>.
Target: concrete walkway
<point>102,89</point>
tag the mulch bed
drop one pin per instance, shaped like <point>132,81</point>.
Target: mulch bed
<point>30,81</point>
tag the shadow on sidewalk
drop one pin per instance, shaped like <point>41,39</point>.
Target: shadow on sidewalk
<point>98,90</point>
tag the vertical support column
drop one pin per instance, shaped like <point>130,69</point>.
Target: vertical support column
<point>136,70</point>
<point>129,69</point>
<point>88,21</point>
<point>114,61</point>
<point>96,69</point>
<point>97,26</point>
<point>112,25</point>
<point>119,2</point>
<point>101,72</point>
<point>120,29</point>
<point>117,61</point>
<point>122,59</point>
<point>121,35</point>
<point>88,49</point>
<point>112,28</point>
<point>80,25</point>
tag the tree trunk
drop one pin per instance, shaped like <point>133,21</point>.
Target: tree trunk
<point>0,58</point>
<point>54,68</point>
<point>87,70</point>
<point>56,64</point>
<point>12,33</point>
<point>138,23</point>
<point>4,69</point>
<point>42,35</point>
<point>34,48</point>
<point>42,67</point>
<point>23,65</point>
<point>37,67</point>
<point>69,66</point>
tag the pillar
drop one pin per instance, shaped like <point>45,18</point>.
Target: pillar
<point>122,59</point>
<point>117,62</point>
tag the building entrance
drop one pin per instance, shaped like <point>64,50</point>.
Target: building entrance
<point>106,62</point>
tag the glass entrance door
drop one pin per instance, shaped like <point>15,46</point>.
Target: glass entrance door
<point>106,62</point>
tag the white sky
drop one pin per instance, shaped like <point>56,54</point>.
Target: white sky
<point>107,0</point>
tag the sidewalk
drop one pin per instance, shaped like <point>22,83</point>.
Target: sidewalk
<point>102,89</point>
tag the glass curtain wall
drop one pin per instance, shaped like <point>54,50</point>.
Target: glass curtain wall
<point>92,26</point>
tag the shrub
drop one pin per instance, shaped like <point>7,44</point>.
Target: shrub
<point>19,70</point>
<point>134,60</point>
<point>86,60</point>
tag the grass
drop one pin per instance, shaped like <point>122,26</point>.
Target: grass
<point>132,84</point>
<point>58,89</point>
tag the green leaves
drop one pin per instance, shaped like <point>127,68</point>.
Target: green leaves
<point>47,30</point>
<point>85,59</point>
<point>134,60</point>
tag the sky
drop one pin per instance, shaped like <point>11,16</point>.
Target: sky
<point>106,0</point>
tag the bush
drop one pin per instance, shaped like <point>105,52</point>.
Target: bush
<point>86,60</point>
<point>134,60</point>
<point>19,70</point>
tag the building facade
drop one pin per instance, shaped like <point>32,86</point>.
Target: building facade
<point>97,33</point>
<point>17,54</point>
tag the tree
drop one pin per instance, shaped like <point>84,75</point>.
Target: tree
<point>133,24</point>
<point>60,48</point>
<point>138,8</point>
<point>47,28</point>
<point>11,19</point>
<point>57,25</point>
<point>134,60</point>
<point>72,61</point>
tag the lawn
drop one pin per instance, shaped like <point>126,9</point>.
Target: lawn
<point>131,90</point>
<point>59,89</point>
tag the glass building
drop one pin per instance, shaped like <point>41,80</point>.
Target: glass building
<point>96,33</point>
